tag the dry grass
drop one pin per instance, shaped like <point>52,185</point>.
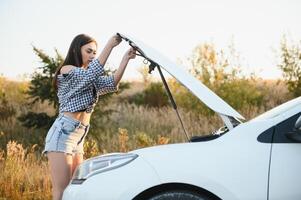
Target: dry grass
<point>23,175</point>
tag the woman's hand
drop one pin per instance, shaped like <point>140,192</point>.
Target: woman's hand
<point>114,41</point>
<point>130,54</point>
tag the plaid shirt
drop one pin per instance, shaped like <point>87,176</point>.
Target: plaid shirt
<point>79,89</point>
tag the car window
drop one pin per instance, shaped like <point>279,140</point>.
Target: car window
<point>276,134</point>
<point>284,127</point>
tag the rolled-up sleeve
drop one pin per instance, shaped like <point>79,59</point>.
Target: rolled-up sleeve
<point>87,76</point>
<point>105,84</point>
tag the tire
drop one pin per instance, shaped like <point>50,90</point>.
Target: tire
<point>178,195</point>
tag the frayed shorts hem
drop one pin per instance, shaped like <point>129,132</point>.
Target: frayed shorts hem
<point>60,151</point>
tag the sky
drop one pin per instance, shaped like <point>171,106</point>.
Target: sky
<point>173,27</point>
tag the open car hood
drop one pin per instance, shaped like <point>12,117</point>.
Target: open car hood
<point>228,114</point>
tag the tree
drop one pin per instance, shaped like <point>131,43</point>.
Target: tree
<point>221,72</point>
<point>41,90</point>
<point>290,64</point>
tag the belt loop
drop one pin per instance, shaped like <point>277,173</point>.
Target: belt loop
<point>78,125</point>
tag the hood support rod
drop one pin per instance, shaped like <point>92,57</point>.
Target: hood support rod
<point>152,66</point>
<point>174,105</point>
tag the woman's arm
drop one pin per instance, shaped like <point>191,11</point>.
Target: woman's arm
<point>130,54</point>
<point>113,42</point>
<point>108,84</point>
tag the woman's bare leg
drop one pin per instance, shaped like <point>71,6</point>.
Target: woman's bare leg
<point>61,171</point>
<point>77,159</point>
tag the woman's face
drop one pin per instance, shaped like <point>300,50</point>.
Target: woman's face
<point>88,53</point>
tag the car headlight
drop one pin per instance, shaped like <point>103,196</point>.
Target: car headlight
<point>101,164</point>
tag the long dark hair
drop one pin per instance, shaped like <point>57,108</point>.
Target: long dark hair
<point>74,55</point>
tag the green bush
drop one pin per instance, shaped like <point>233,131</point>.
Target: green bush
<point>290,64</point>
<point>220,72</point>
<point>153,96</point>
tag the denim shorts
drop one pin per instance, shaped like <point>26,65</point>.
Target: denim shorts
<point>66,135</point>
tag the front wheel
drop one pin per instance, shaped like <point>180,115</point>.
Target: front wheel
<point>178,195</point>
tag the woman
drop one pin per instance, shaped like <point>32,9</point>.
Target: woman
<point>79,82</point>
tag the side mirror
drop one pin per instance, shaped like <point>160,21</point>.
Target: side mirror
<point>295,134</point>
<point>298,123</point>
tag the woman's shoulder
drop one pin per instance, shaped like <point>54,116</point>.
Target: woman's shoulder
<point>66,69</point>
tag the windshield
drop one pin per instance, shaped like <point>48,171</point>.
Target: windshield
<point>279,109</point>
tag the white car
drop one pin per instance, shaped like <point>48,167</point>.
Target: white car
<point>257,159</point>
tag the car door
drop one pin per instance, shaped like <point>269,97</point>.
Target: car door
<point>285,165</point>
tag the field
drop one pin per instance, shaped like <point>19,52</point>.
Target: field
<point>24,173</point>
